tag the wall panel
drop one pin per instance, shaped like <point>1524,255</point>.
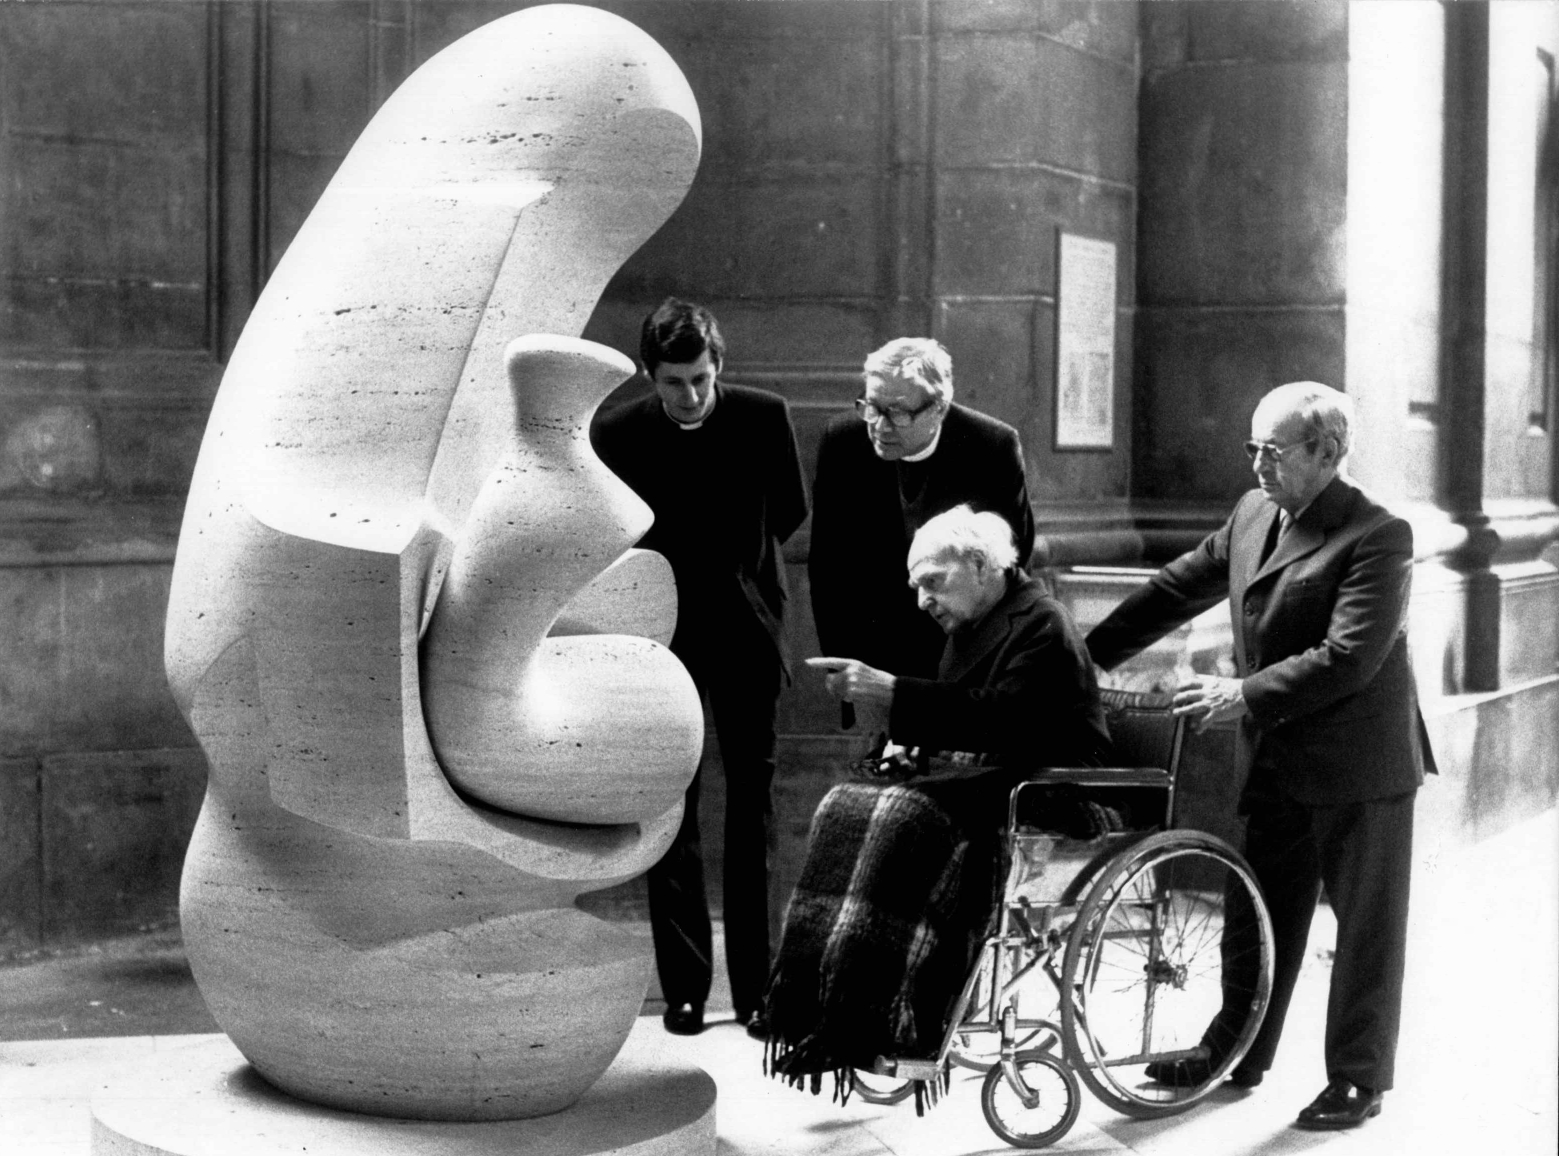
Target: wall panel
<point>21,905</point>
<point>1108,30</point>
<point>1244,199</point>
<point>318,92</point>
<point>114,829</point>
<point>1019,99</point>
<point>1034,128</point>
<point>122,137</point>
<point>105,174</point>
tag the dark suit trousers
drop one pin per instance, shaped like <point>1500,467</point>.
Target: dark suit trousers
<point>739,676</point>
<point>1362,853</point>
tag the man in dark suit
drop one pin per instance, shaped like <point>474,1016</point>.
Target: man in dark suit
<point>906,453</point>
<point>1317,574</point>
<point>717,463</point>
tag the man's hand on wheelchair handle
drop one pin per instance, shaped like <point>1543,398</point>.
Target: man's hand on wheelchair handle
<point>1209,699</point>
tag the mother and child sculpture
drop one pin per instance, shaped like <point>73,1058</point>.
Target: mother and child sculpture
<point>406,622</point>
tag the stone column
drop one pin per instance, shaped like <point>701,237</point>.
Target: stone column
<point>1357,194</point>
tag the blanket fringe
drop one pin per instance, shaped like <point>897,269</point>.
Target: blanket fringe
<point>783,1062</point>
<point>929,1093</point>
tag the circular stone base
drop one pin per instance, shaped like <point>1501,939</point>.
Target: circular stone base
<point>205,1100</point>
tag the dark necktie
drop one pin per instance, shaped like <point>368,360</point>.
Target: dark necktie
<point>1280,527</point>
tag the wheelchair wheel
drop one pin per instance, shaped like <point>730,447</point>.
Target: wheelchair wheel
<point>1053,1087</point>
<point>875,1089</point>
<point>1170,959</point>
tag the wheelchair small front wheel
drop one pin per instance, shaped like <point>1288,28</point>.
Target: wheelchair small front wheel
<point>1044,1111</point>
<point>875,1089</point>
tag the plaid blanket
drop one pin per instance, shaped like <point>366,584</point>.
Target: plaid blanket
<point>877,939</point>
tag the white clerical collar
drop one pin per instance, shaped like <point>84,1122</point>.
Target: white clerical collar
<point>692,425</point>
<point>928,451</point>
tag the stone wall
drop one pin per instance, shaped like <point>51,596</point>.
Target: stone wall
<point>1244,204</point>
<point>871,169</point>
<point>1365,195</point>
<point>109,357</point>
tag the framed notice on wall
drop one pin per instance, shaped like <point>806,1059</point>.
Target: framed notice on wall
<point>1085,343</point>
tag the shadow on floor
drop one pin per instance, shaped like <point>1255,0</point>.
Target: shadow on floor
<point>141,985</point>
<point>135,986</point>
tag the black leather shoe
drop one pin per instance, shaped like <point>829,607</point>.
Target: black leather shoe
<point>758,1026</point>
<point>756,1023</point>
<point>1341,1105</point>
<point>1195,1073</point>
<point>1180,1073</point>
<point>1247,1078</point>
<point>684,1019</point>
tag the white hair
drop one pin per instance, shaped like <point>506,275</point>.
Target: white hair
<point>921,361</point>
<point>965,534</point>
<point>1326,412</point>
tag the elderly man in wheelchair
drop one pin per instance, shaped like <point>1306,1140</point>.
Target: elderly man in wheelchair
<point>989,847</point>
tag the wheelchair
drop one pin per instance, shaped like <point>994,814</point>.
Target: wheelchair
<point>1106,954</point>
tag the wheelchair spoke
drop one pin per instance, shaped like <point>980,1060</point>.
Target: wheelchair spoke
<point>1147,965</point>
<point>1032,1100</point>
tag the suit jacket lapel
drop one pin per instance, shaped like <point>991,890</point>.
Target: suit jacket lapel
<point>1308,534</point>
<point>1260,529</point>
<point>1303,537</point>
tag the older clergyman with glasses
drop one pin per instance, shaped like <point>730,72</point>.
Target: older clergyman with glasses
<point>906,453</point>
<point>1317,574</point>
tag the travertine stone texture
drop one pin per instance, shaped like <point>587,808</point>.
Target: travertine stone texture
<point>202,1100</point>
<point>395,501</point>
<point>519,561</point>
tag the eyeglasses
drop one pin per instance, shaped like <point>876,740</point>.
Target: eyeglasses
<point>898,417</point>
<point>1256,450</point>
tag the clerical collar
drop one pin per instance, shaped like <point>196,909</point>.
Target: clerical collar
<point>928,451</point>
<point>692,425</point>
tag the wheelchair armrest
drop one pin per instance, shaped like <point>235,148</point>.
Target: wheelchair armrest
<point>1086,777</point>
<point>1096,777</point>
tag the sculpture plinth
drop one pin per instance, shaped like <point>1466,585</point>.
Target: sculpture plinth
<point>395,518</point>
<point>202,1100</point>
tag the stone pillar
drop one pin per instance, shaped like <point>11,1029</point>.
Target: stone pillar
<point>1357,194</point>
<point>1448,349</point>
<point>1241,225</point>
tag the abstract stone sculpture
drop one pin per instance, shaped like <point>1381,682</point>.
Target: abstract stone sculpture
<point>397,453</point>
<point>544,726</point>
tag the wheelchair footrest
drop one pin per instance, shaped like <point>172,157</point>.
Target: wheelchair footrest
<point>907,1069</point>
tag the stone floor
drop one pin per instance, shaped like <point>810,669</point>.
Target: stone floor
<point>1477,1074</point>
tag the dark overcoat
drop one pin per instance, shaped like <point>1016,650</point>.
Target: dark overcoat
<point>725,497</point>
<point>1320,640</point>
<point>865,513</point>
